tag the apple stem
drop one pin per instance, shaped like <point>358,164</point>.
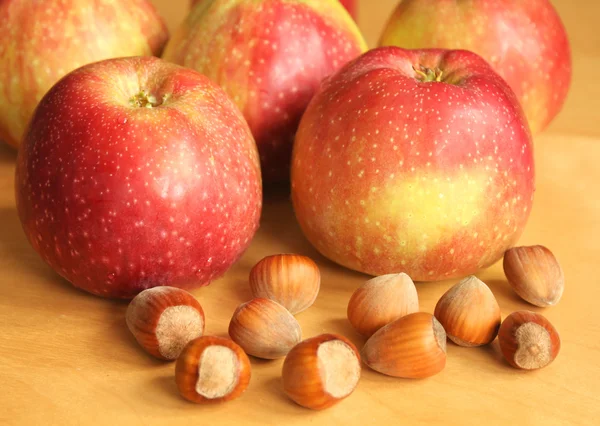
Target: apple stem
<point>426,75</point>
<point>144,100</point>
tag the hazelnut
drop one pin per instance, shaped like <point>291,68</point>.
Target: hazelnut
<point>534,274</point>
<point>164,319</point>
<point>469,313</point>
<point>321,371</point>
<point>412,347</point>
<point>212,369</point>
<point>289,279</point>
<point>264,328</point>
<point>528,340</point>
<point>380,301</point>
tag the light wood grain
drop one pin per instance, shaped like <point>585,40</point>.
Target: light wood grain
<point>66,358</point>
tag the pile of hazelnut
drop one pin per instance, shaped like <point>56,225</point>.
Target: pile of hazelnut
<point>320,371</point>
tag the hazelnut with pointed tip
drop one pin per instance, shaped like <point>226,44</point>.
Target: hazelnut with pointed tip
<point>321,371</point>
<point>412,347</point>
<point>528,340</point>
<point>289,279</point>
<point>164,319</point>
<point>264,328</point>
<point>380,301</point>
<point>212,369</point>
<point>469,313</point>
<point>534,274</point>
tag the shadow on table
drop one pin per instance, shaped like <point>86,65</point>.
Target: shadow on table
<point>161,390</point>
<point>494,353</point>
<point>343,327</point>
<point>502,290</point>
<point>280,232</point>
<point>278,224</point>
<point>16,251</point>
<point>507,298</point>
<point>8,155</point>
<point>242,292</point>
<point>274,388</point>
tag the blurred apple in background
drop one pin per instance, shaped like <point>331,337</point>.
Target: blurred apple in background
<point>44,40</point>
<point>525,41</point>
<point>137,173</point>
<point>414,161</point>
<point>270,57</point>
<point>350,5</point>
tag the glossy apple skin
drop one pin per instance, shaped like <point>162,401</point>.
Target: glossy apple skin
<point>44,40</point>
<point>270,57</point>
<point>524,41</point>
<point>391,174</point>
<point>118,198</point>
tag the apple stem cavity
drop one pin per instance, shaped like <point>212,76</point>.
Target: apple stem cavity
<point>143,99</point>
<point>427,75</point>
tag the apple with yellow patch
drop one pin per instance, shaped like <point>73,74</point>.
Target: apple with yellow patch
<point>413,161</point>
<point>42,41</point>
<point>270,57</point>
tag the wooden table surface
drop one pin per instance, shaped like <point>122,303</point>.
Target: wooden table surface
<point>67,358</point>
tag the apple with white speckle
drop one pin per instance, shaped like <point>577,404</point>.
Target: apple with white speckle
<point>414,161</point>
<point>350,5</point>
<point>270,57</point>
<point>44,40</point>
<point>524,41</point>
<point>136,173</point>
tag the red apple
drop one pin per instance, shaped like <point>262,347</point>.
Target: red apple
<point>44,40</point>
<point>524,41</point>
<point>137,173</point>
<point>270,57</point>
<point>413,161</point>
<point>350,5</point>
